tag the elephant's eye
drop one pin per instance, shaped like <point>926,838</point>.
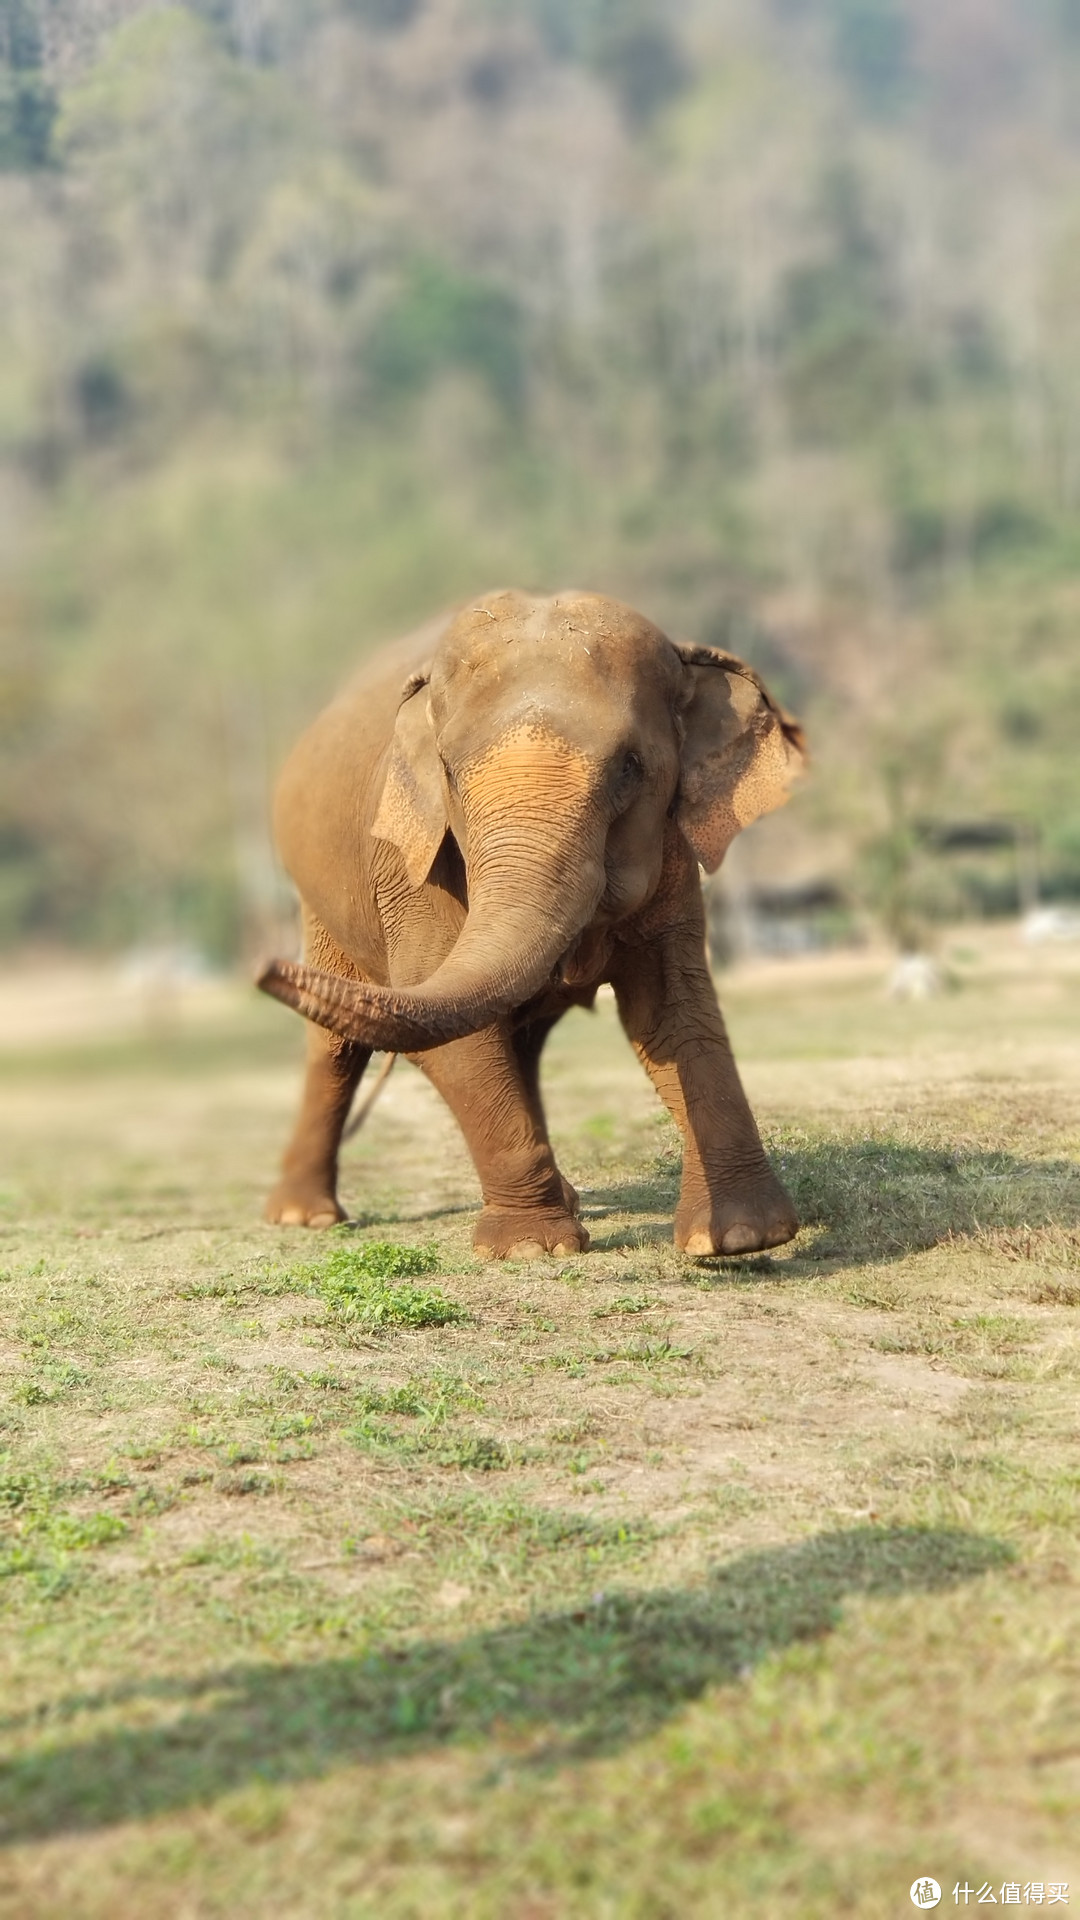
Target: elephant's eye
<point>628,773</point>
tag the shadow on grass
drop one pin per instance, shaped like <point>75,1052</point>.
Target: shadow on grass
<point>566,1685</point>
<point>880,1199</point>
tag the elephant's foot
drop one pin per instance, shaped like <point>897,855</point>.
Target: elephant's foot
<point>571,1196</point>
<point>757,1215</point>
<point>307,1202</point>
<point>509,1233</point>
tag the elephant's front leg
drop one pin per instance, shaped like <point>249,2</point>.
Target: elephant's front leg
<point>527,1204</point>
<point>731,1201</point>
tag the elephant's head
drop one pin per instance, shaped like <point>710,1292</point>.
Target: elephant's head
<point>554,738</point>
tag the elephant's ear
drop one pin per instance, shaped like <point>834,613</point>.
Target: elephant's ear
<point>740,754</point>
<point>412,809</point>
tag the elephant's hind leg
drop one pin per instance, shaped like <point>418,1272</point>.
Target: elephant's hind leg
<point>528,1046</point>
<point>306,1194</point>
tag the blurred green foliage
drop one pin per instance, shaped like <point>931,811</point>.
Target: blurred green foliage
<point>27,101</point>
<point>318,315</point>
<point>442,320</point>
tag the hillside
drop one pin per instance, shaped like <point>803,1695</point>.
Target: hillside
<point>315,316</point>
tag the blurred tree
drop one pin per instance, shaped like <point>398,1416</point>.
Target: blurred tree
<point>846,357</point>
<point>317,313</point>
<point>873,50</point>
<point>28,103</point>
<point>440,319</point>
<point>634,48</point>
<point>390,15</point>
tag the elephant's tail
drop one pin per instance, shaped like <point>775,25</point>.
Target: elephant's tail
<point>370,1098</point>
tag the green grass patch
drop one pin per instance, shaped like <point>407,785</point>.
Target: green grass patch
<point>411,1421</point>
<point>431,1397</point>
<point>38,1532</point>
<point>512,1532</point>
<point>627,1303</point>
<point>372,1286</point>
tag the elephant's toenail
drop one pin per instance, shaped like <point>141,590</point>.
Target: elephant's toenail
<point>700,1243</point>
<point>741,1239</point>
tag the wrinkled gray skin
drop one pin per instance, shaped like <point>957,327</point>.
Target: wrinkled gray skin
<point>496,816</point>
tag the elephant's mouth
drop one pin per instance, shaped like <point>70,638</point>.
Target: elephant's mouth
<point>584,962</point>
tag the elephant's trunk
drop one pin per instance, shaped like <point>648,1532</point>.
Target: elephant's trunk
<point>532,889</point>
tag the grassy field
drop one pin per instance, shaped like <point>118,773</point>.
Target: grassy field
<point>346,1575</point>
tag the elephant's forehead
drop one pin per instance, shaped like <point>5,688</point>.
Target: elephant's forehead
<point>569,644</point>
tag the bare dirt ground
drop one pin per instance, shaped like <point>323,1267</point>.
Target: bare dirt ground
<point>621,1585</point>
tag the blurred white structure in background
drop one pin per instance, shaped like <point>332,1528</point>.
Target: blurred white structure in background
<point>156,977</point>
<point>915,977</point>
<point>1050,923</point>
<point>163,967</point>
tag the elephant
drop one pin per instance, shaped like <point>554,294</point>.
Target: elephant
<point>497,816</point>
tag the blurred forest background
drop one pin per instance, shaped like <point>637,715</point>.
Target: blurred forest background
<point>316,315</point>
